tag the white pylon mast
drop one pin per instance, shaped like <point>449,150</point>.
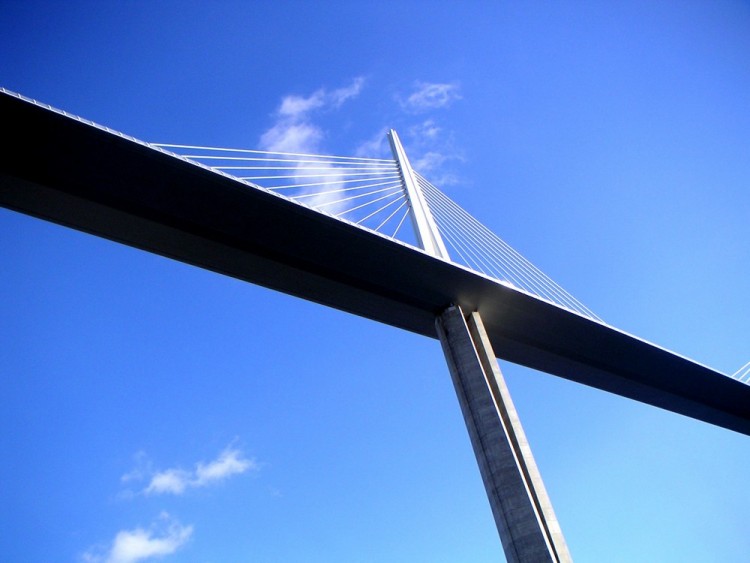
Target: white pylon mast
<point>424,225</point>
<point>526,522</point>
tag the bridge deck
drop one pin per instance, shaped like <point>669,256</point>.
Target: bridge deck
<point>74,174</point>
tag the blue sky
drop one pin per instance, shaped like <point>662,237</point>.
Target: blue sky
<point>151,409</point>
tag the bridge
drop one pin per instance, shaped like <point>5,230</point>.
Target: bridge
<point>230,211</point>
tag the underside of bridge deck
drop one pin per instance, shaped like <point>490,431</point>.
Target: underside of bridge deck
<point>72,173</point>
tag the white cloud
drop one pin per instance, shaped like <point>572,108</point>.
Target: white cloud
<point>429,147</point>
<point>289,136</point>
<point>142,468</point>
<point>432,152</point>
<point>338,97</point>
<point>297,106</point>
<point>429,95</point>
<point>176,480</point>
<point>428,130</point>
<point>227,464</point>
<point>297,129</point>
<point>173,481</point>
<point>164,537</point>
<point>294,130</point>
<point>429,161</point>
<point>375,147</point>
<point>444,179</point>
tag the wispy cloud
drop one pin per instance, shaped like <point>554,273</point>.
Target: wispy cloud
<point>431,150</point>
<point>297,106</point>
<point>431,95</point>
<point>164,537</point>
<point>176,480</point>
<point>173,481</point>
<point>229,463</point>
<point>141,470</point>
<point>376,146</point>
<point>294,129</point>
<point>289,136</point>
<point>338,97</point>
<point>427,131</point>
<point>429,161</point>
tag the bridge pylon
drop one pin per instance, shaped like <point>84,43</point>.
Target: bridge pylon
<point>424,225</point>
<point>525,520</point>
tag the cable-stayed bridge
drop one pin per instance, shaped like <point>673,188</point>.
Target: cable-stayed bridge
<point>371,237</point>
<point>370,193</point>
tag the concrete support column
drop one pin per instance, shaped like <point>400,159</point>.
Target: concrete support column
<point>527,525</point>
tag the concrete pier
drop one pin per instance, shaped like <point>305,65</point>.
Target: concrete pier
<point>527,525</point>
